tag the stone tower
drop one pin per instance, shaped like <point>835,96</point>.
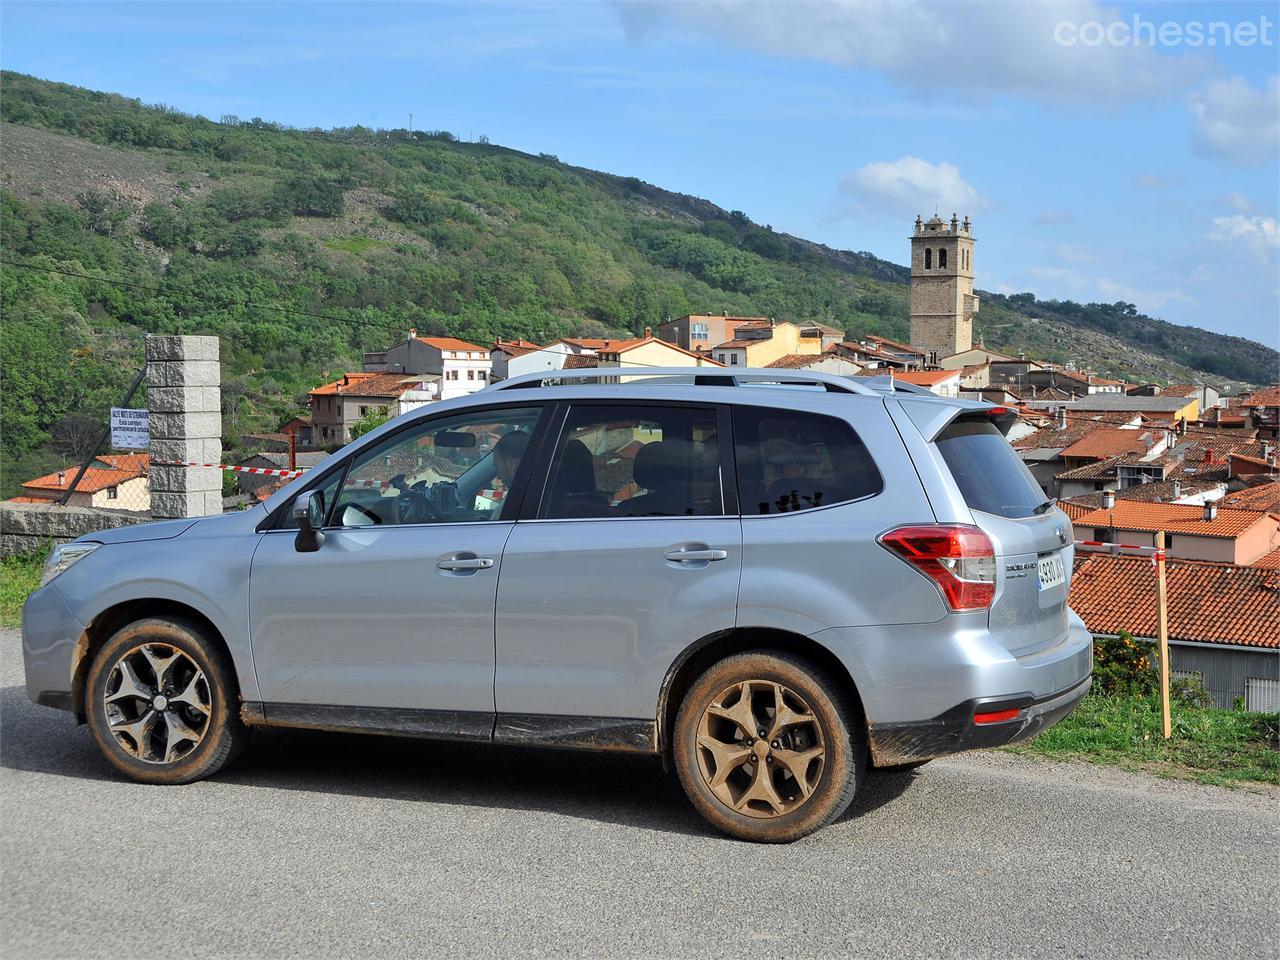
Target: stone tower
<point>942,300</point>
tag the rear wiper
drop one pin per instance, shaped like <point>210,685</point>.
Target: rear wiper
<point>1044,507</point>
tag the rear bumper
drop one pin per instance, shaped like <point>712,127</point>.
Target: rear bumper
<point>921,684</point>
<point>955,730</point>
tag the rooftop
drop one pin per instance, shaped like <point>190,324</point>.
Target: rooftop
<point>1126,401</point>
<point>1180,390</point>
<point>1172,518</point>
<point>1207,602</point>
<point>1265,496</point>
<point>381,385</point>
<point>797,361</point>
<point>1270,561</point>
<point>1158,492</point>
<point>1266,397</point>
<point>1110,442</point>
<point>927,378</point>
<point>451,343</point>
<point>94,479</point>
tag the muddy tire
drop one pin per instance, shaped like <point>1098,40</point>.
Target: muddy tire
<point>163,704</point>
<point>768,747</point>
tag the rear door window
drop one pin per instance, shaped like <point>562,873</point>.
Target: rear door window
<point>790,460</point>
<point>635,460</point>
<point>990,475</point>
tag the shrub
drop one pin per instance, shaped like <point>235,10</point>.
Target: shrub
<point>1121,665</point>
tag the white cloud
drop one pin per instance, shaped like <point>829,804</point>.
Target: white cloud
<point>1236,122</point>
<point>1259,233</point>
<point>910,185</point>
<point>1066,282</point>
<point>939,48</point>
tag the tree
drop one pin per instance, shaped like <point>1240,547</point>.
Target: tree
<point>369,422</point>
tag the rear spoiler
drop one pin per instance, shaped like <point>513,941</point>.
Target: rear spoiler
<point>931,417</point>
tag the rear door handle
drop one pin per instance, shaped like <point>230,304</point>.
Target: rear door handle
<point>466,563</point>
<point>687,556</point>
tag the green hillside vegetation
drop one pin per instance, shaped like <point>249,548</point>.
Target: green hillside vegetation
<point>302,248</point>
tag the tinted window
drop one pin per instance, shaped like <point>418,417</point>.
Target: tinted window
<point>988,472</point>
<point>789,460</point>
<point>635,461</point>
<point>447,470</point>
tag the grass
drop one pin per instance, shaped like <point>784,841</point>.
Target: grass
<point>1222,747</point>
<point>353,245</point>
<point>18,577</point>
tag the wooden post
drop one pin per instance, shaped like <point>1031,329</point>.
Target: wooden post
<point>293,449</point>
<point>1162,607</point>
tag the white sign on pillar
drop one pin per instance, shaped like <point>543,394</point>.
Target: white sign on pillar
<point>130,429</point>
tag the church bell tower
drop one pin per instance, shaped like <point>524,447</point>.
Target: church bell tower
<point>942,299</point>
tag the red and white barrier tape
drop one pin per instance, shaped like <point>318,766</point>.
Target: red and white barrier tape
<point>232,467</point>
<point>1157,555</point>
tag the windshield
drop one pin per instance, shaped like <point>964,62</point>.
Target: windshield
<point>988,472</point>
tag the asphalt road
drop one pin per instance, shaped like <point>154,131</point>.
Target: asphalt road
<point>321,845</point>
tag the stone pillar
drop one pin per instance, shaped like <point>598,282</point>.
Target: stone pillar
<point>184,397</point>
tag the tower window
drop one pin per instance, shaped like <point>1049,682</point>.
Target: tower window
<point>928,259</point>
<point>942,259</point>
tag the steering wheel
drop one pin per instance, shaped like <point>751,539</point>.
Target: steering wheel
<point>414,506</point>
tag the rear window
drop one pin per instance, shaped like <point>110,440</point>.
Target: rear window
<point>789,461</point>
<point>988,472</point>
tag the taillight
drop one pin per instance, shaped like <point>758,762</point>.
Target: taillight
<point>957,557</point>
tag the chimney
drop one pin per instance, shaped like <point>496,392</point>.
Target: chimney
<point>62,479</point>
<point>1210,510</point>
<point>1062,418</point>
<point>1266,450</point>
<point>1109,500</point>
<point>1182,427</point>
<point>345,380</point>
<point>1177,489</point>
<point>413,334</point>
<point>648,332</point>
<point>1208,454</point>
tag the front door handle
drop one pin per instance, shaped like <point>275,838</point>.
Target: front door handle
<point>466,563</point>
<point>689,556</point>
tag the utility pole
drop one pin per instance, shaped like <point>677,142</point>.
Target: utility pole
<point>410,123</point>
<point>1162,606</point>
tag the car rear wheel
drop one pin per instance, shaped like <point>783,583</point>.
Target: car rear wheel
<point>765,747</point>
<point>162,702</point>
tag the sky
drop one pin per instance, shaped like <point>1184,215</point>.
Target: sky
<point>1105,153</point>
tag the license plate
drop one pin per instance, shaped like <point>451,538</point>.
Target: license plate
<point>1050,571</point>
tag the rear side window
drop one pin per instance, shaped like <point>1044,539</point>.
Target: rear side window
<point>987,470</point>
<point>789,460</point>
<point>635,461</point>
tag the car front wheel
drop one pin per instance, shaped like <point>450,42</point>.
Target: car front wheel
<point>162,703</point>
<point>765,748</point>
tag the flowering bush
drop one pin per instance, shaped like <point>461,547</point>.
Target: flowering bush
<point>1123,666</point>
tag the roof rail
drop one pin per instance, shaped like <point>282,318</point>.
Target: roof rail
<point>701,376</point>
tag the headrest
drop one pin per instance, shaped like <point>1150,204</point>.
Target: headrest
<point>660,464</point>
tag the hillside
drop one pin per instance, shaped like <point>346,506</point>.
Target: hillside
<point>303,248</point>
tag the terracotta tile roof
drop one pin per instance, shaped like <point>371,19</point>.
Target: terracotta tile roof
<point>1265,496</point>
<point>895,344</point>
<point>1267,397</point>
<point>94,479</point>
<point>1074,510</point>
<point>1173,518</point>
<point>1098,470</point>
<point>1270,561</point>
<point>1051,438</point>
<point>927,378</point>
<point>580,361</point>
<point>1180,390</point>
<point>798,361</point>
<point>136,463</point>
<point>515,348</point>
<point>585,343</point>
<point>28,500</point>
<point>382,385</point>
<point>451,343</point>
<point>1157,492</point>
<point>738,344</point>
<point>1208,602</point>
<point>1109,442</point>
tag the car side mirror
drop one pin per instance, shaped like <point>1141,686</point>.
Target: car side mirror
<point>308,510</point>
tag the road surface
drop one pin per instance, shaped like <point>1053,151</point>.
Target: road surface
<point>322,845</point>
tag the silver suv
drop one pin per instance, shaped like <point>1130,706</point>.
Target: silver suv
<point>772,579</point>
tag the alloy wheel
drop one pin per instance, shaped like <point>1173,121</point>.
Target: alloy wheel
<point>760,749</point>
<point>157,703</point>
